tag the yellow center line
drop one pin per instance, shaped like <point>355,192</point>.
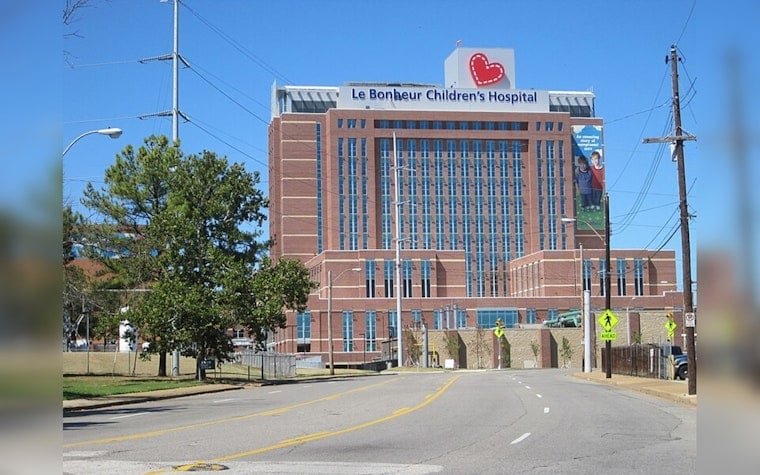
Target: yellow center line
<point>270,412</point>
<point>323,435</point>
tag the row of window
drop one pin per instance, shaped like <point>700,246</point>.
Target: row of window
<point>620,272</point>
<point>444,318</point>
<point>548,126</point>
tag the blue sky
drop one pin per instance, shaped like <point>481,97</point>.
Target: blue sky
<point>240,47</point>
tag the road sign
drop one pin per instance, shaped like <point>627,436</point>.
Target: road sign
<point>499,332</point>
<point>670,326</point>
<point>608,320</point>
<point>609,336</point>
<point>689,319</point>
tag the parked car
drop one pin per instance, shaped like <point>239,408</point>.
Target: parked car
<point>681,366</point>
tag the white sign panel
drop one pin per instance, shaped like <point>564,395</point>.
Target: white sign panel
<point>689,319</point>
<point>480,68</point>
<point>437,98</point>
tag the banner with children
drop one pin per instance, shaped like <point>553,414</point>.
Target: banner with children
<point>588,176</point>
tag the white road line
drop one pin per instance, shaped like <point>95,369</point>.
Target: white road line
<point>527,387</point>
<point>223,400</point>
<point>546,410</point>
<point>538,395</point>
<point>520,439</point>
<point>129,415</point>
<point>274,392</point>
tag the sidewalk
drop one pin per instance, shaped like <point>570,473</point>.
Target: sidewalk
<point>673,390</point>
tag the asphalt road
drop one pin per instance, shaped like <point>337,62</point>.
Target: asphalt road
<point>526,421</point>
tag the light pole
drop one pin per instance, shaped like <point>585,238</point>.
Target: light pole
<point>112,132</point>
<point>331,359</point>
<point>399,204</point>
<point>607,296</point>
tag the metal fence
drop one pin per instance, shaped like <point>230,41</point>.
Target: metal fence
<point>645,360</point>
<point>268,365</point>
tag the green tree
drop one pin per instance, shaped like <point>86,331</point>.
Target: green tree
<point>127,208</point>
<point>194,225</point>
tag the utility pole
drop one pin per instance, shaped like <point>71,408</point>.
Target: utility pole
<point>175,57</point>
<point>678,140</point>
<point>175,113</point>
<point>607,279</point>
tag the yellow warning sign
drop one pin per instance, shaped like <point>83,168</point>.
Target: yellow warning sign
<point>670,326</point>
<point>499,332</point>
<point>609,336</point>
<point>608,320</point>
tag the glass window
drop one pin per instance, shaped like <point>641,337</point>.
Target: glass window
<point>369,276</point>
<point>370,330</point>
<point>621,265</point>
<point>303,323</point>
<point>348,330</point>
<point>638,276</point>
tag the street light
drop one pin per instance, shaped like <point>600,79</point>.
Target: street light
<point>331,359</point>
<point>112,132</point>
<point>607,296</point>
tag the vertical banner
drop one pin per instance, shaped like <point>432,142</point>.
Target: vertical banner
<point>588,176</point>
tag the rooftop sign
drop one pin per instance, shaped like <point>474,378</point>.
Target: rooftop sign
<point>438,98</point>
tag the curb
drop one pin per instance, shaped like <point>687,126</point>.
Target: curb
<point>84,404</point>
<point>666,390</point>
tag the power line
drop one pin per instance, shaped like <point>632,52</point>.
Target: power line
<point>245,51</point>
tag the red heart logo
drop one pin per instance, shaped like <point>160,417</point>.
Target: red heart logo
<point>484,72</point>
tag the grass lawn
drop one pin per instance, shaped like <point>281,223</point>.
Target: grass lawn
<point>82,387</point>
<point>108,374</point>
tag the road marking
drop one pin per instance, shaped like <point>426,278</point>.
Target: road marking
<point>129,415</point>
<point>271,412</point>
<point>309,466</point>
<point>520,439</point>
<point>527,387</point>
<point>546,410</point>
<point>223,400</point>
<point>538,395</point>
<point>275,392</point>
<point>322,435</point>
<point>85,453</point>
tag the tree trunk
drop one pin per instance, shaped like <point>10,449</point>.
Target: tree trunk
<point>162,363</point>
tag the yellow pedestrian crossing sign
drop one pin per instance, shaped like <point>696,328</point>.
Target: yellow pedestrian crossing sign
<point>499,332</point>
<point>608,320</point>
<point>670,326</point>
